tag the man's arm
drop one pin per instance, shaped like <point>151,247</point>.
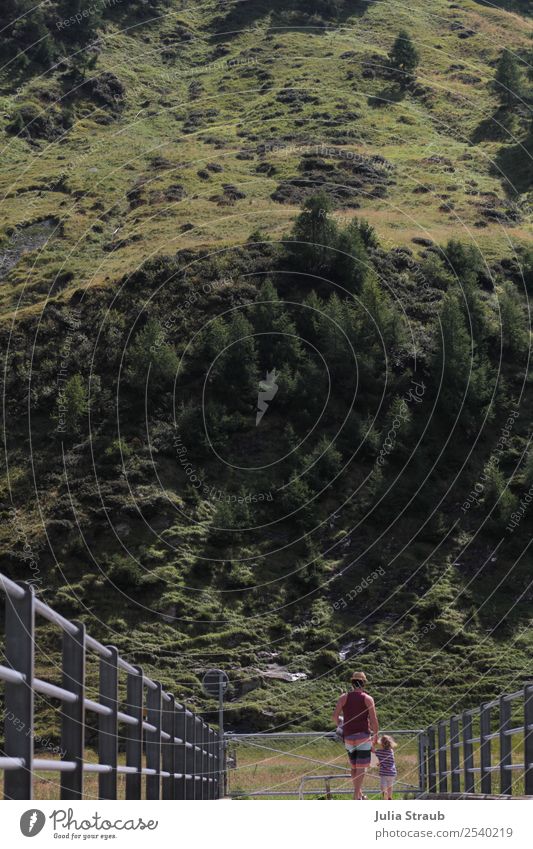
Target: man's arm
<point>338,709</point>
<point>373,717</point>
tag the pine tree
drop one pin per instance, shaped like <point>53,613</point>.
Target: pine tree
<point>286,348</point>
<point>314,234</point>
<point>240,370</point>
<point>351,262</point>
<point>84,30</point>
<point>403,59</point>
<point>453,357</point>
<point>507,80</point>
<point>26,34</point>
<point>309,318</point>
<point>265,313</point>
<point>322,465</point>
<point>463,259</point>
<point>380,323</point>
<point>527,270</point>
<point>334,344</point>
<point>151,361</point>
<point>513,324</point>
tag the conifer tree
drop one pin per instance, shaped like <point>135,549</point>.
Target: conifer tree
<point>403,59</point>
<point>314,233</point>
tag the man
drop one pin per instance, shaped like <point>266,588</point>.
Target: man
<point>359,729</point>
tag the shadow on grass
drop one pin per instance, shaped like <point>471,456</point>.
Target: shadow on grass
<point>393,93</point>
<point>515,165</point>
<point>497,127</point>
<point>293,14</point>
<point>523,7</point>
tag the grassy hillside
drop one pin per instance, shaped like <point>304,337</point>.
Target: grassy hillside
<point>149,282</point>
<point>219,86</point>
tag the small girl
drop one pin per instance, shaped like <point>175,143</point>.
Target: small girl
<point>387,764</point>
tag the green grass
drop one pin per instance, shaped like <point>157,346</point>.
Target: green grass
<point>256,769</point>
<point>97,165</point>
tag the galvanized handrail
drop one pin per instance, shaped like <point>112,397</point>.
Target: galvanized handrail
<point>262,740</point>
<point>449,737</point>
<point>180,750</point>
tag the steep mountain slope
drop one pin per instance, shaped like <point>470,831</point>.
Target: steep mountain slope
<point>240,203</point>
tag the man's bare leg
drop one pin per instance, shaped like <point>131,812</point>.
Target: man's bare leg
<point>358,776</point>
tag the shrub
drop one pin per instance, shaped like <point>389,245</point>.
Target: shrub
<point>71,405</point>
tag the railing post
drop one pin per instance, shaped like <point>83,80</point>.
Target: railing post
<point>468,753</point>
<point>175,750</point>
<point>168,748</point>
<point>432,766</point>
<point>485,749</point>
<point>207,767</point>
<point>153,743</point>
<point>190,759</point>
<point>134,733</point>
<point>454,754</point>
<point>528,739</point>
<point>18,719</point>
<point>506,778</point>
<point>422,743</point>
<point>210,747</point>
<point>188,740</point>
<point>108,725</point>
<point>206,761</point>
<point>180,758</point>
<point>217,765</point>
<point>203,786</point>
<point>73,715</point>
<point>199,784</point>
<point>441,738</point>
<point>222,766</point>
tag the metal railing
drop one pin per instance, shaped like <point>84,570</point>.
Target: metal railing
<point>178,755</point>
<point>267,743</point>
<point>453,747</point>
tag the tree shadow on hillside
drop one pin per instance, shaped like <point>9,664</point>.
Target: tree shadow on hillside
<point>515,165</point>
<point>497,127</point>
<point>523,7</point>
<point>290,14</point>
<point>389,94</point>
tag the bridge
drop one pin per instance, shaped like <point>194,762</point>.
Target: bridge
<point>172,753</point>
<point>169,749</point>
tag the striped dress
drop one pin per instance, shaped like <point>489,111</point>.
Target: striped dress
<point>387,764</point>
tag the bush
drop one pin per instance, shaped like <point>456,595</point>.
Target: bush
<point>118,450</point>
<point>71,405</point>
<point>124,572</point>
<point>324,660</point>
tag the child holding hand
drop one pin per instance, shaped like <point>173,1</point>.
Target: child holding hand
<point>384,752</point>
